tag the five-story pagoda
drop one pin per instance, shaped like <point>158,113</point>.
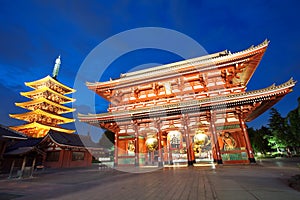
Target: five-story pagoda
<point>46,106</point>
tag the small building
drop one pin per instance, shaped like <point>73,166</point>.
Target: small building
<point>66,150</point>
<point>55,150</point>
<point>8,137</point>
<point>21,158</point>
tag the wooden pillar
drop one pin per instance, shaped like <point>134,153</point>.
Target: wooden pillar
<point>214,134</point>
<point>192,153</point>
<point>12,169</point>
<point>136,140</point>
<point>187,137</point>
<point>157,124</point>
<point>2,148</point>
<point>61,157</point>
<point>116,149</point>
<point>213,146</point>
<point>170,154</point>
<point>32,166</point>
<point>152,157</point>
<point>247,140</point>
<point>23,166</point>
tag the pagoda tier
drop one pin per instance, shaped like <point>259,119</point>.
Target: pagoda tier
<point>45,104</point>
<point>37,130</point>
<point>42,117</point>
<point>51,83</point>
<point>222,70</point>
<point>48,93</point>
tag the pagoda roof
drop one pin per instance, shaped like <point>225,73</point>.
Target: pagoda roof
<point>29,94</point>
<point>25,116</point>
<point>210,62</point>
<point>36,84</point>
<point>6,132</point>
<point>269,96</point>
<point>28,104</point>
<point>37,126</point>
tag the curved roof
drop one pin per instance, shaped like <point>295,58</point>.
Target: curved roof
<point>28,105</point>
<point>44,89</point>
<point>269,96</point>
<point>6,132</point>
<point>72,140</point>
<point>38,83</point>
<point>25,116</point>
<point>250,57</point>
<point>37,126</point>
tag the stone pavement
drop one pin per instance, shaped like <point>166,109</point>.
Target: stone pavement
<point>265,180</point>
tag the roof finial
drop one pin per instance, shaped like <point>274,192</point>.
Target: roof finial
<point>56,67</point>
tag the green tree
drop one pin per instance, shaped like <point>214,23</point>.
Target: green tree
<point>258,139</point>
<point>279,137</point>
<point>293,120</point>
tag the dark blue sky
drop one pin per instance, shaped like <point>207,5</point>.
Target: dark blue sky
<point>34,33</point>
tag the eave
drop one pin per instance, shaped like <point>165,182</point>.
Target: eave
<point>38,126</point>
<point>25,116</point>
<point>44,89</point>
<point>35,84</point>
<point>28,104</point>
<point>194,106</point>
<point>182,68</point>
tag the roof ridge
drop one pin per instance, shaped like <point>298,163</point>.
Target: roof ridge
<point>175,66</point>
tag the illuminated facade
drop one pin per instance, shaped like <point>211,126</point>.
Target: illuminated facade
<point>186,112</point>
<point>46,106</point>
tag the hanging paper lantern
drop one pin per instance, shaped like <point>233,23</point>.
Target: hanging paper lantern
<point>152,143</point>
<point>200,139</point>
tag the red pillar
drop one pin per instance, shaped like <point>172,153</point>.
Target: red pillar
<point>188,143</point>
<point>116,148</point>
<point>214,134</point>
<point>247,140</point>
<point>170,154</point>
<point>136,140</point>
<point>160,155</point>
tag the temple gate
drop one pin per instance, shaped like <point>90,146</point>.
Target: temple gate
<point>188,112</point>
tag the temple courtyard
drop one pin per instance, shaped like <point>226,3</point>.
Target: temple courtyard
<point>267,179</point>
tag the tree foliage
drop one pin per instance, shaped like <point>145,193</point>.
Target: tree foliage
<point>281,133</point>
<point>258,139</point>
<point>293,121</point>
<point>279,129</point>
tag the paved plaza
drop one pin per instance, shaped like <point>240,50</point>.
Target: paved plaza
<point>265,180</point>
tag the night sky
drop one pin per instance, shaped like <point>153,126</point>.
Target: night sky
<point>34,33</point>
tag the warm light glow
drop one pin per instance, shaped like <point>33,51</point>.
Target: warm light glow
<point>200,139</point>
<point>152,143</point>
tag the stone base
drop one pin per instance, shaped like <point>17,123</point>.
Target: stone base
<point>219,161</point>
<point>252,160</point>
<point>190,163</point>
